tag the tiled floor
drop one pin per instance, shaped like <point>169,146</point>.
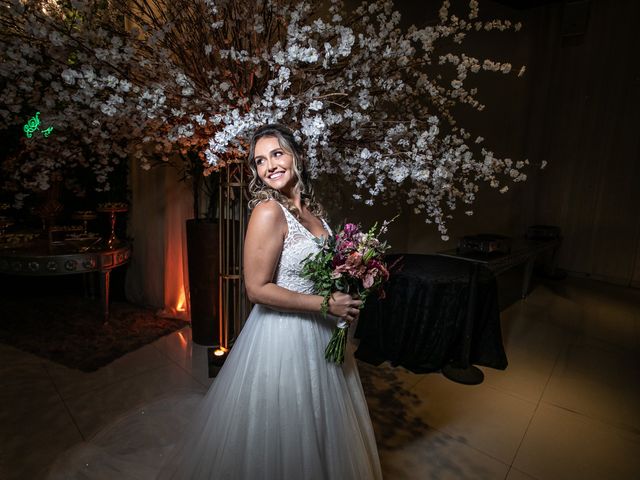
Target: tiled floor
<point>567,407</point>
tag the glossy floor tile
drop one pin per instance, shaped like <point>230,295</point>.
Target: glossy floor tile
<point>439,455</point>
<point>515,474</point>
<point>482,417</point>
<point>94,409</point>
<point>598,380</point>
<point>71,382</point>
<point>565,408</point>
<point>533,347</point>
<point>10,357</point>
<point>35,425</point>
<point>561,444</point>
<point>190,356</point>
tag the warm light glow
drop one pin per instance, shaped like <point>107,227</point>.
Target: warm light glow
<point>219,352</point>
<point>183,340</point>
<point>182,301</point>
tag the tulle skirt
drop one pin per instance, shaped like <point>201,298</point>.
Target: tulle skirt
<point>277,410</point>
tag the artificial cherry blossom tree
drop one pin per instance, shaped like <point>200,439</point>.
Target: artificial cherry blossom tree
<point>186,82</point>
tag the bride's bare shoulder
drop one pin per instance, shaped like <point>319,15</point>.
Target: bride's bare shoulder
<point>268,215</point>
<point>267,208</point>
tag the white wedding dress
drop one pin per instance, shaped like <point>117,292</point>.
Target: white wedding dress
<point>276,411</point>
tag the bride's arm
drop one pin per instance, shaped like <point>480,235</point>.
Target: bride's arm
<point>262,248</point>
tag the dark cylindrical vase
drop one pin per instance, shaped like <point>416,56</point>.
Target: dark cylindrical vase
<point>203,253</point>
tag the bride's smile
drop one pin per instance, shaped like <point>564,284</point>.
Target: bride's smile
<point>274,165</point>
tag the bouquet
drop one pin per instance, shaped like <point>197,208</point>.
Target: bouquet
<point>351,262</point>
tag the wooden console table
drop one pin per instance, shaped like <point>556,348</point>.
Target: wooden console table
<point>41,259</point>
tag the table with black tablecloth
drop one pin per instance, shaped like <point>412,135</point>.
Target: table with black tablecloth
<point>420,323</point>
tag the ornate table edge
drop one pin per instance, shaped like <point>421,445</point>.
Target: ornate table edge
<point>64,264</point>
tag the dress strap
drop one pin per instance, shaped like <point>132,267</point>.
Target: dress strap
<point>287,213</point>
<point>295,225</point>
<point>326,226</point>
<point>292,223</point>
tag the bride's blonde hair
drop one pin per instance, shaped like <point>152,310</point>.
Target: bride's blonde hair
<point>260,191</point>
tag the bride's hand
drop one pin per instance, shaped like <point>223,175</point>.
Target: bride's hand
<point>342,305</point>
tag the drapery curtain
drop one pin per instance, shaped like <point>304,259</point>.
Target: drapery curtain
<point>157,275</point>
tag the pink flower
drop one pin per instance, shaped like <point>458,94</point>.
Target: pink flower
<point>353,266</point>
<point>355,259</point>
<point>369,278</point>
<point>346,245</point>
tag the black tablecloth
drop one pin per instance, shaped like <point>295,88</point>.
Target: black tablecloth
<point>419,324</point>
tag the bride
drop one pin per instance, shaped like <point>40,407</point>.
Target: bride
<point>277,409</point>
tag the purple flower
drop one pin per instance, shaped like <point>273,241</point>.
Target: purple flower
<point>350,229</point>
<point>338,259</point>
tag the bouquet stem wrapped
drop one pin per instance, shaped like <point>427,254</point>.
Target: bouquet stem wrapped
<point>338,344</point>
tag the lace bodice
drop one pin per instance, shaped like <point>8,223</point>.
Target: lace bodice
<point>298,244</point>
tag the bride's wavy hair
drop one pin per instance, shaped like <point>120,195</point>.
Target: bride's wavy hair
<point>260,191</point>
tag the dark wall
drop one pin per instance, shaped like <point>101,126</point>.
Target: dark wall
<point>577,107</point>
<point>585,122</point>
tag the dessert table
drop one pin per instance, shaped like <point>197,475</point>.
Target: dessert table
<point>40,258</point>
